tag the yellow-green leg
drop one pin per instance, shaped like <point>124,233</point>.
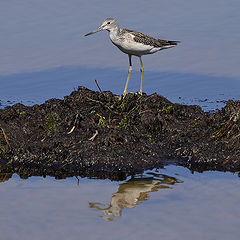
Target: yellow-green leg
<point>129,74</point>
<point>142,70</point>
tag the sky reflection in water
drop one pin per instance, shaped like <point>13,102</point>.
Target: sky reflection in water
<point>37,87</point>
<point>40,35</point>
<point>44,55</point>
<point>46,39</point>
<point>170,203</point>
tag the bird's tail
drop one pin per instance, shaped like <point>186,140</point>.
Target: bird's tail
<point>167,44</point>
<point>174,43</point>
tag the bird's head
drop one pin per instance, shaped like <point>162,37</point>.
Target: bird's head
<point>108,24</point>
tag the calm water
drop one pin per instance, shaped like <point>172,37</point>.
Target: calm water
<point>45,55</point>
<point>170,203</point>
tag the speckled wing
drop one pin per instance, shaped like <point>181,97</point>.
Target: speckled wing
<point>148,40</point>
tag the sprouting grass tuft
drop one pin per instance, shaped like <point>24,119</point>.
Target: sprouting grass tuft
<point>102,122</point>
<point>166,109</point>
<point>51,123</point>
<point>22,113</point>
<point>123,124</point>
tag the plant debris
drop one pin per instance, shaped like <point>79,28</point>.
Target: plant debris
<point>98,134</point>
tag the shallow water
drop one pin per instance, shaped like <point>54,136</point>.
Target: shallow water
<point>38,35</point>
<point>44,53</point>
<point>208,92</point>
<point>170,203</point>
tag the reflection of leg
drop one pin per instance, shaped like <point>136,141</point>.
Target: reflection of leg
<point>142,70</point>
<point>98,206</point>
<point>129,74</point>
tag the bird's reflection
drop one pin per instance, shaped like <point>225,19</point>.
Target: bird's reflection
<point>132,192</point>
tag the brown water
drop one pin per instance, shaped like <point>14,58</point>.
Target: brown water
<point>170,203</point>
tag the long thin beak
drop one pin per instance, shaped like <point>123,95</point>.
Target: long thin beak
<point>97,30</point>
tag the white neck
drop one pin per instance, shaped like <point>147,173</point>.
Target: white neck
<point>113,32</point>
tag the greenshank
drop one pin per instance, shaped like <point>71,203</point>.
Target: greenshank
<point>133,43</point>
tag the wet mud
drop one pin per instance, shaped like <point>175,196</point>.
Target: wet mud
<point>97,134</point>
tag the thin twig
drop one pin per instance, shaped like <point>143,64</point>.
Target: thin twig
<point>5,137</point>
<point>78,181</point>
<point>230,158</point>
<point>98,86</point>
<point>74,124</point>
<point>93,100</point>
<point>93,136</point>
<point>72,129</point>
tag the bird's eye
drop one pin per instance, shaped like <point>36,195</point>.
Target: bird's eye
<point>108,23</point>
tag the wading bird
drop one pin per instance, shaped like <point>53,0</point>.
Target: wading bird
<point>133,43</point>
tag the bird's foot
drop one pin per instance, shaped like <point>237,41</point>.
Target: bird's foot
<point>119,98</point>
<point>124,94</point>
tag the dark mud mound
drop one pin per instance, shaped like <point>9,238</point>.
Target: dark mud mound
<point>99,135</point>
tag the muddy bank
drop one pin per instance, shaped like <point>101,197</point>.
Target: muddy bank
<point>98,135</point>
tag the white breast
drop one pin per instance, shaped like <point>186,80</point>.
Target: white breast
<point>127,45</point>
